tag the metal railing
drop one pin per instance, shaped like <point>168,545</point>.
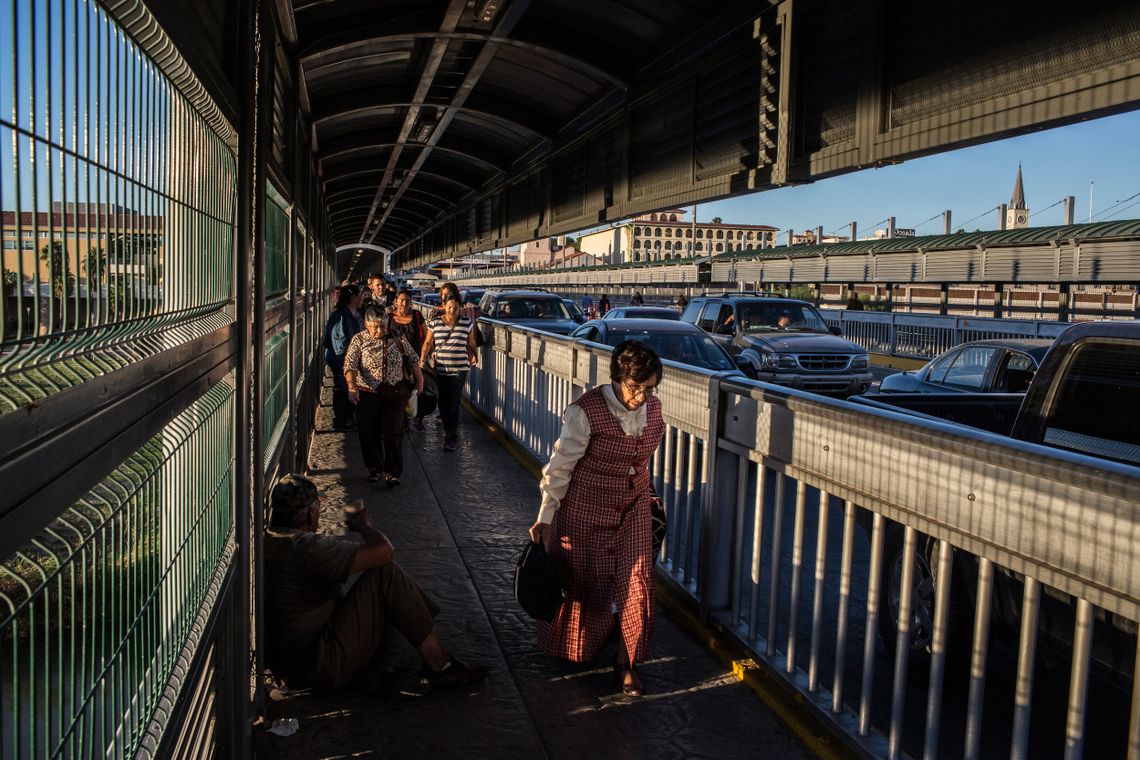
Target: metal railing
<point>796,524</point>
<point>117,201</point>
<point>96,611</point>
<point>926,336</point>
<point>128,625</point>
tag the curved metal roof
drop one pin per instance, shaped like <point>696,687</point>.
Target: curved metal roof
<point>418,104</point>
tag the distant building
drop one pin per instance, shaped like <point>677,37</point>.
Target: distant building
<point>1017,215</point>
<point>665,235</point>
<point>549,253</point>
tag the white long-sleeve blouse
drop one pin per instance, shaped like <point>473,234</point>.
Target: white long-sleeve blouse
<point>571,445</point>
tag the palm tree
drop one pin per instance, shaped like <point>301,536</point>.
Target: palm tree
<point>717,220</point>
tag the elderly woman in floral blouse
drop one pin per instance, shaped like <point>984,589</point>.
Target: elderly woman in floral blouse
<point>381,369</point>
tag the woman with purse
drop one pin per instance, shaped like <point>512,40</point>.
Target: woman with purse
<point>380,370</point>
<point>596,516</point>
<point>411,324</point>
<point>449,351</point>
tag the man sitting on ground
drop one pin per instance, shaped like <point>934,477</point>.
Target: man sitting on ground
<point>322,640</point>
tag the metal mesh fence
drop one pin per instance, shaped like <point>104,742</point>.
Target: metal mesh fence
<point>117,197</point>
<point>94,611</point>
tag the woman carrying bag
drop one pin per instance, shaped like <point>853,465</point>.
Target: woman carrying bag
<point>410,323</point>
<point>342,325</point>
<point>596,517</point>
<point>380,370</point>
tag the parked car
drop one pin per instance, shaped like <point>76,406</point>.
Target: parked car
<point>642,312</point>
<point>785,341</point>
<point>472,295</point>
<point>673,340</point>
<point>431,299</point>
<point>575,310</point>
<point>1078,400</point>
<point>980,366</point>
<point>531,308</point>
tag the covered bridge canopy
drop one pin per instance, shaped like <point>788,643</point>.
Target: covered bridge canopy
<point>442,127</point>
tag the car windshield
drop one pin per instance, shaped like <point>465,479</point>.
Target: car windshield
<point>791,317</point>
<point>531,308</point>
<point>697,349</point>
<point>575,310</point>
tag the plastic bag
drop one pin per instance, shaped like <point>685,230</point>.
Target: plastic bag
<point>413,405</point>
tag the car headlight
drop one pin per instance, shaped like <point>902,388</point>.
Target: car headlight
<point>779,361</point>
<point>859,362</point>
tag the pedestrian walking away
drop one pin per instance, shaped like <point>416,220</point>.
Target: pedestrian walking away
<point>381,370</point>
<point>603,306</point>
<point>595,519</point>
<point>854,304</point>
<point>342,325</point>
<point>318,638</point>
<point>637,300</point>
<point>449,352</point>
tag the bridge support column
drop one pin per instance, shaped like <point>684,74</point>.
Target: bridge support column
<point>943,297</point>
<point>999,298</point>
<point>1063,302</point>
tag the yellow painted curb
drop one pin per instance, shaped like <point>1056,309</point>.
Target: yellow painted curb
<point>788,706</point>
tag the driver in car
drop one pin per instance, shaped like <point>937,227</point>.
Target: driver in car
<point>785,320</point>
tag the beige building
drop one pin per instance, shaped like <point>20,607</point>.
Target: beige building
<point>667,235</point>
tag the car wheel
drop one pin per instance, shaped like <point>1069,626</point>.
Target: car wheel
<point>923,600</point>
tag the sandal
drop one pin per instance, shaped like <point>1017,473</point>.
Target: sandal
<point>373,476</point>
<point>391,480</point>
<point>633,688</point>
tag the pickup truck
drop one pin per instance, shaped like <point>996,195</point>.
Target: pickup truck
<point>1085,397</point>
<point>783,341</point>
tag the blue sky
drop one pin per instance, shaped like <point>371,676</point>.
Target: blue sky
<point>1055,163</point>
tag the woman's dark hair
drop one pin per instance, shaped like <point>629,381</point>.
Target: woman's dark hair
<point>374,313</point>
<point>405,292</point>
<point>346,294</point>
<point>449,290</point>
<point>633,360</point>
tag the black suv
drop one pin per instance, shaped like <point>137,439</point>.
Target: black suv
<point>785,341</point>
<point>530,308</point>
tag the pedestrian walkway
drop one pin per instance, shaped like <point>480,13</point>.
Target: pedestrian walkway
<point>458,521</point>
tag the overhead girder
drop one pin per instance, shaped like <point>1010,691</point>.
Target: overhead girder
<point>387,146</point>
<point>443,178</point>
<point>438,202</point>
<point>367,103</point>
<point>375,38</point>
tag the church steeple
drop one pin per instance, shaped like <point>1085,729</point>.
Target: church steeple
<point>1017,215</point>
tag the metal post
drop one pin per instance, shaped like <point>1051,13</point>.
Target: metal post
<point>999,297</point>
<point>943,297</point>
<point>946,222</point>
<point>819,235</point>
<point>718,501</point>
<point>791,234</point>
<point>854,230</point>
<point>238,664</point>
<point>1001,216</point>
<point>1070,208</point>
<point>890,226</point>
<point>1063,302</point>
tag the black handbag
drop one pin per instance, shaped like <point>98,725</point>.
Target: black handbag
<point>660,521</point>
<point>537,587</point>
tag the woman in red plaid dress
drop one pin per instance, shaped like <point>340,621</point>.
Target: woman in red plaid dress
<point>595,519</point>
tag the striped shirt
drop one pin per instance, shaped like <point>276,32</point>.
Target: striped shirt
<point>449,354</point>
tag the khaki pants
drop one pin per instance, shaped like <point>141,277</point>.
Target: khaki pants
<point>382,598</point>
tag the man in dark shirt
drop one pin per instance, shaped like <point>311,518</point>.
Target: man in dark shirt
<point>318,638</point>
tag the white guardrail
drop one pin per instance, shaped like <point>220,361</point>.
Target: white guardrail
<point>922,336</point>
<point>778,501</point>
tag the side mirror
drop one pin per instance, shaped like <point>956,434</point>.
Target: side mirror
<point>743,363</point>
<point>726,330</point>
<point>836,331</point>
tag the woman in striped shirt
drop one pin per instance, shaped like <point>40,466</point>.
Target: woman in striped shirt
<point>449,349</point>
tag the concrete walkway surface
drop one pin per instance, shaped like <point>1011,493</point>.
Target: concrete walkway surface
<point>458,522</point>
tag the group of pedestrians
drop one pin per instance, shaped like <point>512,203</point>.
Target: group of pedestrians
<point>384,355</point>
<point>595,516</point>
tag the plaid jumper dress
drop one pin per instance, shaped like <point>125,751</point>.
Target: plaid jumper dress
<point>601,539</point>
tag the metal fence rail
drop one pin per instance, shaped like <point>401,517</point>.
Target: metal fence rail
<point>926,336</point>
<point>117,198</point>
<point>798,524</point>
<point>96,608</point>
